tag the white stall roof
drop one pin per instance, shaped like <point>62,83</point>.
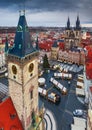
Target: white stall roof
<point>80,92</point>
<point>42,91</point>
<point>41,80</point>
<point>81,84</point>
<point>79,122</point>
<point>75,127</point>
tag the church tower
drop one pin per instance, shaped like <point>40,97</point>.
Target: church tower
<point>23,74</point>
<point>78,27</point>
<point>77,31</point>
<point>70,37</point>
<point>73,35</point>
<point>68,28</point>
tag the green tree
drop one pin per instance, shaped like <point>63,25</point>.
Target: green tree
<point>33,119</point>
<point>45,62</point>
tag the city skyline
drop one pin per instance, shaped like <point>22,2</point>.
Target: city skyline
<point>46,13</point>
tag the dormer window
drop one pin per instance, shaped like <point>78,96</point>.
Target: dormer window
<point>19,29</point>
<point>13,116</point>
<point>26,28</point>
<point>28,45</point>
<point>19,46</point>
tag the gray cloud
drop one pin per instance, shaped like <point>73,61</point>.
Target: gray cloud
<point>69,7</point>
<point>49,5</point>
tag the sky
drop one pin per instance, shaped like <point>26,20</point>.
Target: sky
<point>46,12</point>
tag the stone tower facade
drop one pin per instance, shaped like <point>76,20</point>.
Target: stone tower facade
<point>23,74</point>
<point>73,35</point>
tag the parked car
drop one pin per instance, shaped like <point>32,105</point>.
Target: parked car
<point>78,112</point>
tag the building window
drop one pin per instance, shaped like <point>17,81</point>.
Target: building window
<point>31,94</point>
<point>76,33</point>
<point>67,33</point>
<point>14,69</point>
<point>14,77</point>
<point>31,74</point>
<point>31,67</point>
<point>13,116</point>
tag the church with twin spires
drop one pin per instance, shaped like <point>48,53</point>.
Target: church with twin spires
<point>72,35</point>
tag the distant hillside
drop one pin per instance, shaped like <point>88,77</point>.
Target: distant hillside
<point>87,25</point>
<point>39,29</point>
<point>31,29</point>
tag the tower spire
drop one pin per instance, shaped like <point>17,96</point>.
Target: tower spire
<point>37,44</point>
<point>22,12</point>
<point>78,23</point>
<point>6,44</point>
<point>22,62</point>
<point>22,43</point>
<point>68,23</point>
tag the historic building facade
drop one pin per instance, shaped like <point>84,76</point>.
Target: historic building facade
<point>72,35</point>
<point>72,39</point>
<point>72,56</point>
<point>22,61</point>
<point>89,117</point>
<point>54,51</point>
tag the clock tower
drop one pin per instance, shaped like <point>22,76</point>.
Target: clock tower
<point>23,74</point>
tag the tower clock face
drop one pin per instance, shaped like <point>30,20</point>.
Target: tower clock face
<point>31,67</point>
<point>14,69</point>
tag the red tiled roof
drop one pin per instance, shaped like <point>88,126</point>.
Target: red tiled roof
<point>89,54</point>
<point>91,89</point>
<point>85,42</point>
<point>8,116</point>
<point>89,70</point>
<point>45,46</point>
<point>61,45</point>
<point>88,34</point>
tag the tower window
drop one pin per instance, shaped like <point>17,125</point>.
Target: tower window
<point>14,69</point>
<point>31,67</point>
<point>31,94</point>
<point>76,33</point>
<point>26,28</point>
<point>31,74</point>
<point>67,33</point>
<point>14,77</point>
